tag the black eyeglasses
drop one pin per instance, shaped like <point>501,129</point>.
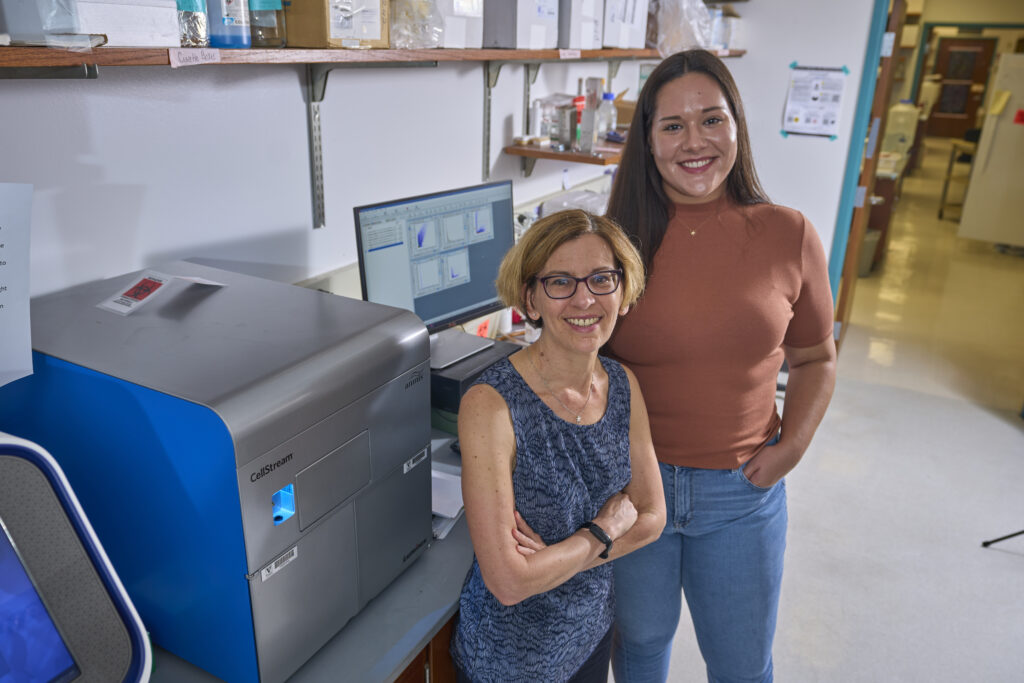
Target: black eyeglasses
<point>564,286</point>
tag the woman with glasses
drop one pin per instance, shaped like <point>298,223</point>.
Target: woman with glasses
<point>735,285</point>
<point>559,475</point>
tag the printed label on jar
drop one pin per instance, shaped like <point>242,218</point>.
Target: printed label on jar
<point>234,13</point>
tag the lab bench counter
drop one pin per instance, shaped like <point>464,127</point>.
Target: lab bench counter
<point>386,636</point>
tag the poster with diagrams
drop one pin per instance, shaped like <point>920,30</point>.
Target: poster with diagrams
<point>814,100</point>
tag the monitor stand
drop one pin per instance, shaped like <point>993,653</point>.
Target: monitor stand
<point>452,345</point>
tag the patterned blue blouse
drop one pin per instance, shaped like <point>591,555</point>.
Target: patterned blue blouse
<point>563,476</point>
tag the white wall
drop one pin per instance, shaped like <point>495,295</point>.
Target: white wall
<point>148,164</point>
<point>800,171</point>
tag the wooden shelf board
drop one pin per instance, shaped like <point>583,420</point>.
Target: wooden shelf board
<point>601,158</point>
<point>126,56</point>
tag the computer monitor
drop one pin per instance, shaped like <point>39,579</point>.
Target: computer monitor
<point>437,255</point>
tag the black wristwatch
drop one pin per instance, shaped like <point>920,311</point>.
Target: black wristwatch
<point>600,535</point>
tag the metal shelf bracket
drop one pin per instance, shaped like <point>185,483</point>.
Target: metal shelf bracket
<point>316,88</point>
<point>528,163</point>
<point>613,71</point>
<point>491,72</point>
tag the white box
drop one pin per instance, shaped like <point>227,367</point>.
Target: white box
<point>625,23</point>
<point>131,23</point>
<point>463,23</point>
<point>521,24</point>
<point>580,24</point>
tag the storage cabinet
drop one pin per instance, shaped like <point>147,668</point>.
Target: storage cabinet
<point>433,664</point>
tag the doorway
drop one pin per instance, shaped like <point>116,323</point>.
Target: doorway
<point>962,66</point>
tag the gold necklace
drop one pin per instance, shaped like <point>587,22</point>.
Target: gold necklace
<point>693,231</point>
<point>579,415</point>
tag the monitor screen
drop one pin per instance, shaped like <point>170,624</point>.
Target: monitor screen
<point>438,254</point>
<point>31,647</point>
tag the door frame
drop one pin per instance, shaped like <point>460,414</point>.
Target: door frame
<point>862,120</point>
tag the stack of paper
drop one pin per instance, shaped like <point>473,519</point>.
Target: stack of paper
<point>446,501</point>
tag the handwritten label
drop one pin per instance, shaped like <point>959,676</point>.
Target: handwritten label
<point>568,54</point>
<point>191,56</point>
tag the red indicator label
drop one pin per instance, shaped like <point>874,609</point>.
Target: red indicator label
<point>142,289</point>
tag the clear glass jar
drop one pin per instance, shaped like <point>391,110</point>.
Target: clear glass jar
<point>266,23</point>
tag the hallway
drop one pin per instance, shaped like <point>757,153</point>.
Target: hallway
<point>940,314</point>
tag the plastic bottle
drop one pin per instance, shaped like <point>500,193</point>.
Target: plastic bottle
<point>266,23</point>
<point>192,23</point>
<point>607,115</point>
<point>229,23</point>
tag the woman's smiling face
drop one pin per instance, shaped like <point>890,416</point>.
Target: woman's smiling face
<point>693,138</point>
<point>584,321</point>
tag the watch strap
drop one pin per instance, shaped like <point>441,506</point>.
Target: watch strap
<point>601,535</point>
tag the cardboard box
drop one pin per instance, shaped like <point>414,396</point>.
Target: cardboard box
<point>337,23</point>
<point>521,24</point>
<point>624,110</point>
<point>625,23</point>
<point>580,24</point>
<point>463,23</point>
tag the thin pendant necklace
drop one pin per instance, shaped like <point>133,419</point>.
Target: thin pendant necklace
<point>579,415</point>
<point>694,230</point>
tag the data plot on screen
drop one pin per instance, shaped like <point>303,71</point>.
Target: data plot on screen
<point>455,230</point>
<point>456,268</point>
<point>440,236</point>
<point>481,225</point>
<point>427,275</point>
<point>423,236</point>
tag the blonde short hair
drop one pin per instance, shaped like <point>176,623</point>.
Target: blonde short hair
<point>524,261</point>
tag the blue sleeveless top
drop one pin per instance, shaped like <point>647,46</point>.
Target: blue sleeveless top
<point>564,474</point>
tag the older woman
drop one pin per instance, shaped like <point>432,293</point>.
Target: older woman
<point>735,284</point>
<point>559,476</point>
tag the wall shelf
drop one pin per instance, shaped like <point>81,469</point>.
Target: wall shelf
<point>126,56</point>
<point>607,153</point>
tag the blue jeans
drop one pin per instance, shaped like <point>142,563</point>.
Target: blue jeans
<point>723,544</point>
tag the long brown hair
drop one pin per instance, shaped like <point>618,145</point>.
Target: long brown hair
<point>638,201</point>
